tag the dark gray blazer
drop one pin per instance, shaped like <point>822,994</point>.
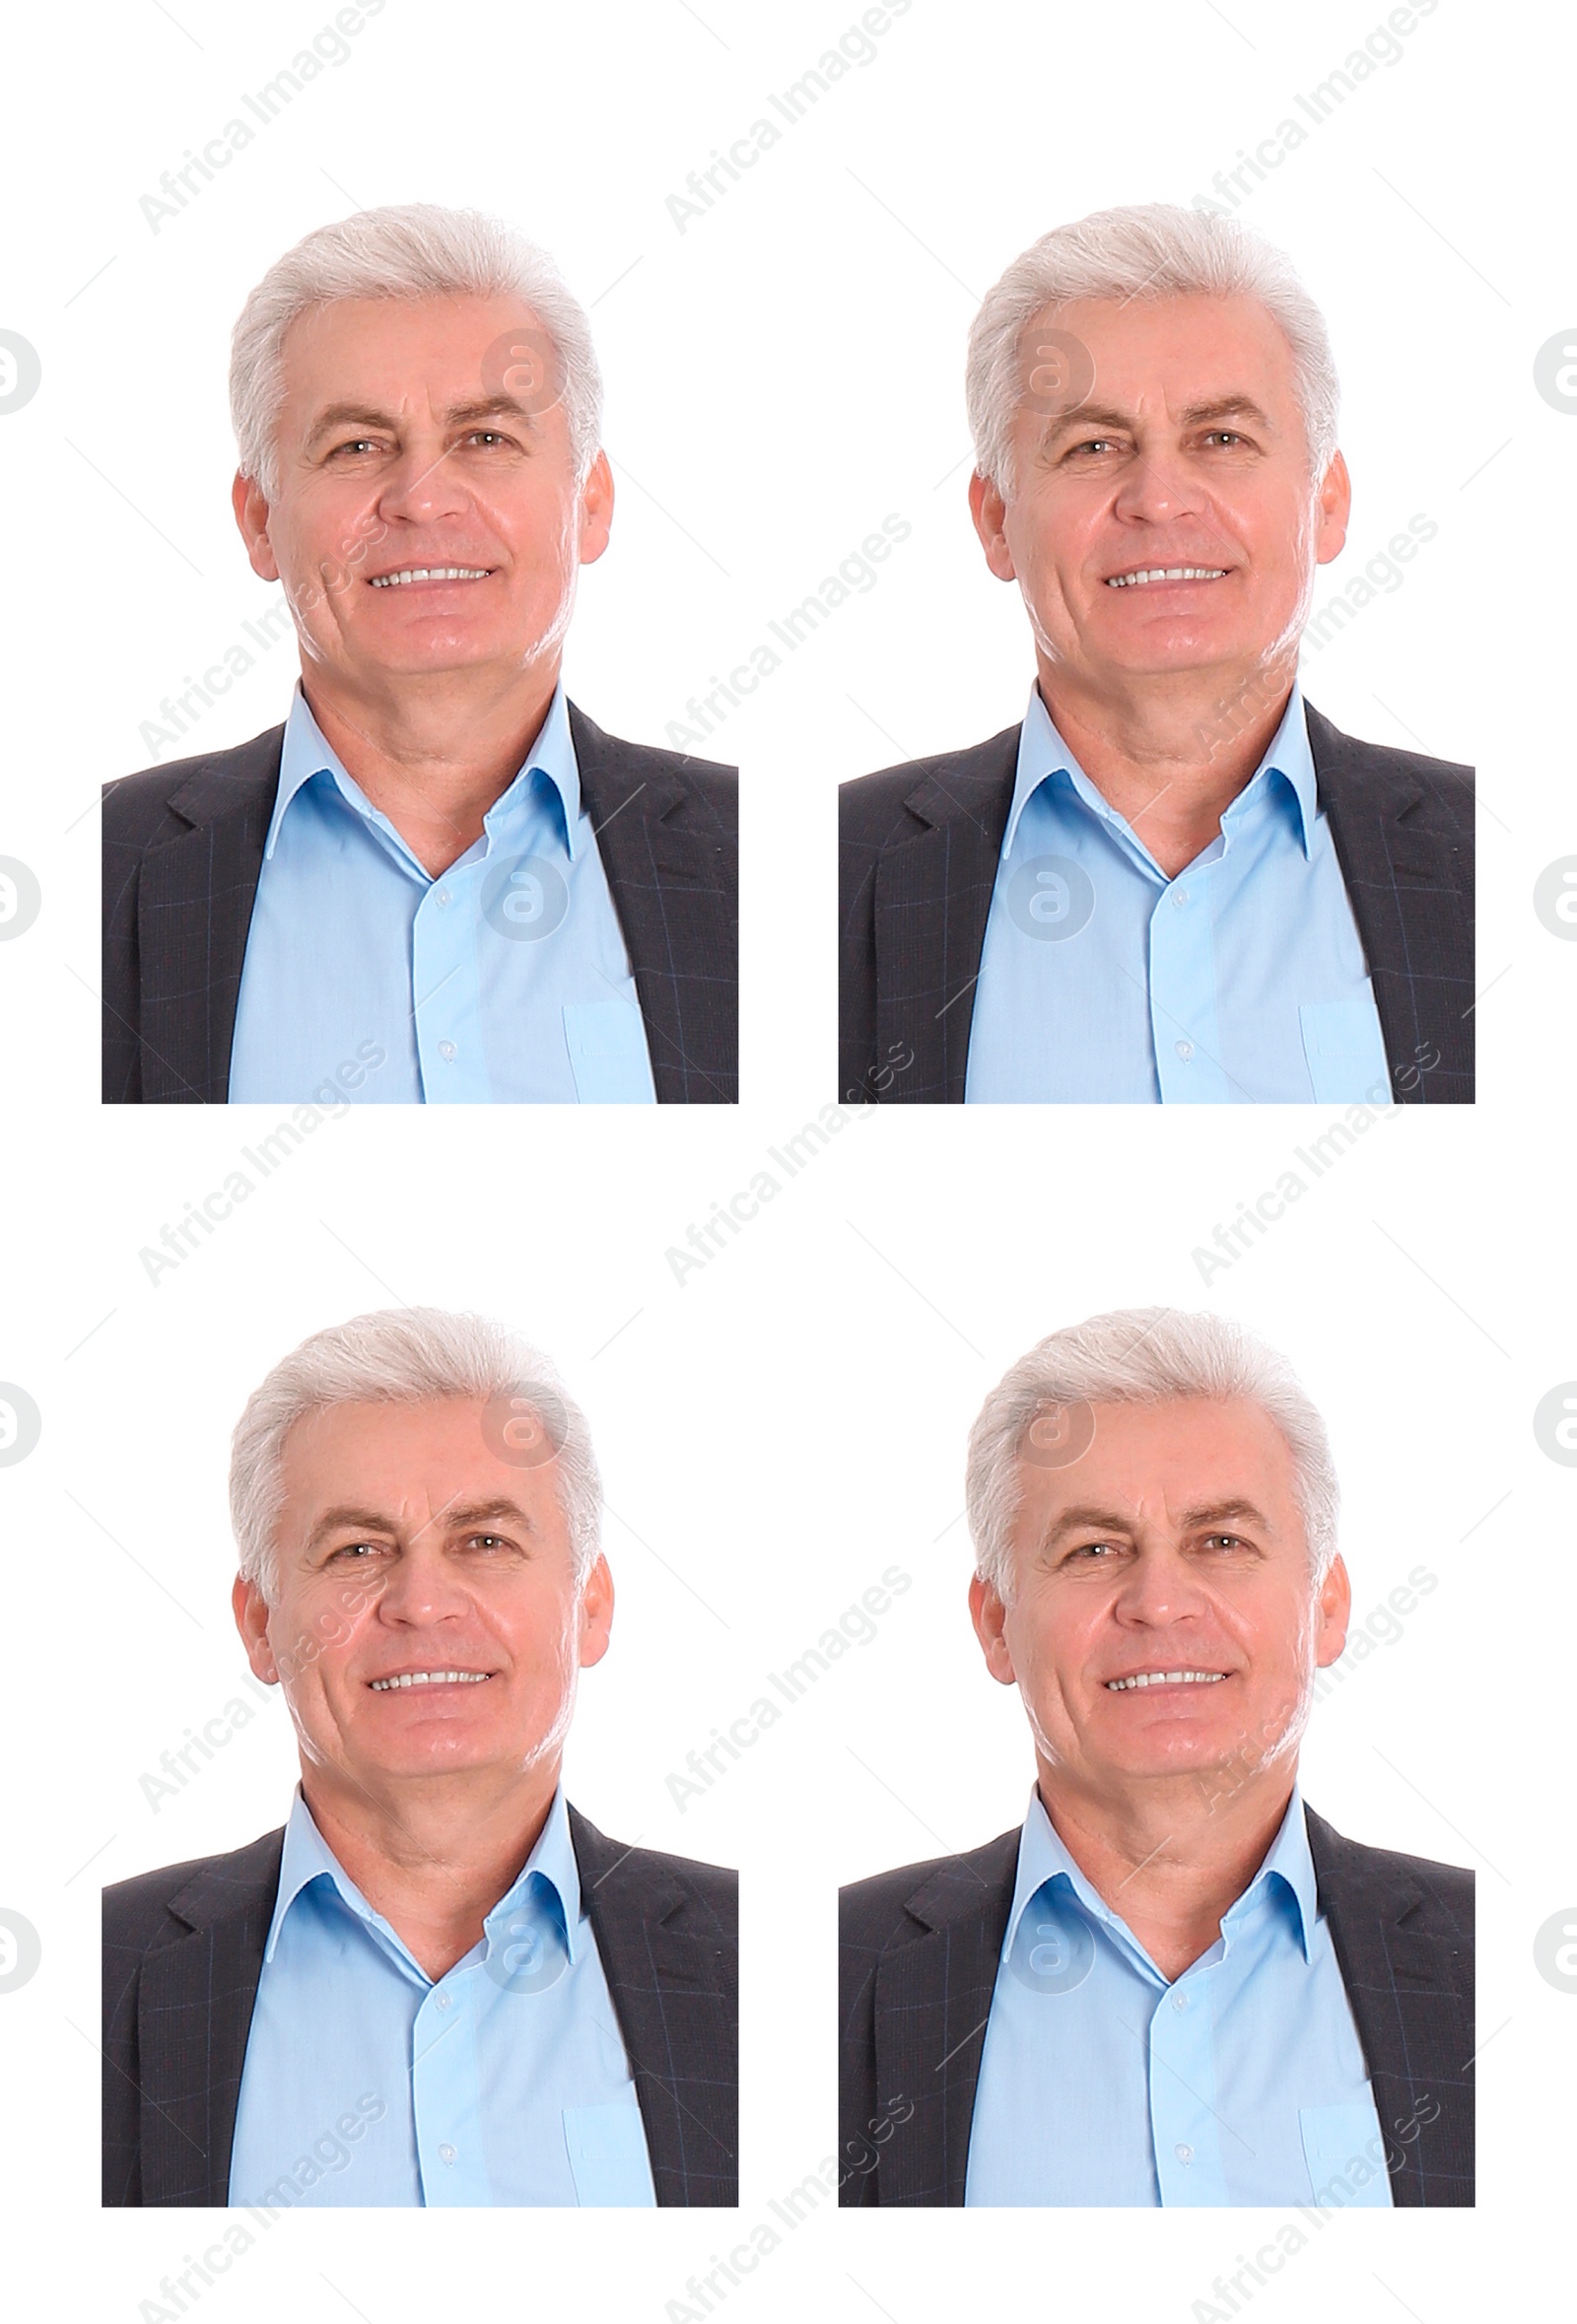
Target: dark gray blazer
<point>183,850</point>
<point>918,856</point>
<point>919,1952</point>
<point>183,1952</point>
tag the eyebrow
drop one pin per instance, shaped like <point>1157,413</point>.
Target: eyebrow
<point>1089,1519</point>
<point>348,1518</point>
<point>335,416</point>
<point>1086,417</point>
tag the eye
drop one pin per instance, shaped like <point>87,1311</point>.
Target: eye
<point>355,443</point>
<point>490,437</point>
<point>1225,1541</point>
<point>1226,435</point>
<point>488,1541</point>
<point>353,1551</point>
<point>1095,1550</point>
<point>1093,443</point>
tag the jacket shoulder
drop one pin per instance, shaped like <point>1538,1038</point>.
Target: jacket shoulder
<point>1446,779</point>
<point>1450,1884</point>
<point>134,806</point>
<point>874,1912</point>
<point>137,1912</point>
<point>872,808</point>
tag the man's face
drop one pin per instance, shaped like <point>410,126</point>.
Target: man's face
<point>408,1547</point>
<point>1188,450</point>
<point>410,439</point>
<point>1174,1544</point>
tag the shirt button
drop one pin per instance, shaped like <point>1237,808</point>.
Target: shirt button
<point>443,896</point>
<point>448,1053</point>
<point>1183,2153</point>
<point>447,2154</point>
<point>443,1999</point>
<point>1185,1050</point>
<point>1180,2000</point>
<point>1180,897</point>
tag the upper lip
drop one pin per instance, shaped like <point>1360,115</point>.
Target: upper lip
<point>434,1663</point>
<point>430,562</point>
<point>1166,1669</point>
<point>1165,565</point>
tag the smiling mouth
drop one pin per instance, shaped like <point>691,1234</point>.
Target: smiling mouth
<point>1148,575</point>
<point>432,572</point>
<point>1164,1678</point>
<point>405,1679</point>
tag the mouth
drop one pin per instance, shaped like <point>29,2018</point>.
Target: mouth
<point>414,576</point>
<point>399,1681</point>
<point>1165,1679</point>
<point>1147,577</point>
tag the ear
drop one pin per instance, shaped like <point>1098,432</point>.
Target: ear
<point>252,1620</point>
<point>1332,1605</point>
<point>989,1616</point>
<point>989,512</point>
<point>1335,507</point>
<point>251,514</point>
<point>597,1614</point>
<point>597,509</point>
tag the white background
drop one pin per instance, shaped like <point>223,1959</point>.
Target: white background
<point>791,1421</point>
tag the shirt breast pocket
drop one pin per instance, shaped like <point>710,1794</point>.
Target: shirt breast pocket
<point>607,2149</point>
<point>1344,1053</point>
<point>1345,2155</point>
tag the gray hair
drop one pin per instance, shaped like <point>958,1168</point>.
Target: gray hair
<point>414,1355</point>
<point>1150,250</point>
<point>407,251</point>
<point>1141,1355</point>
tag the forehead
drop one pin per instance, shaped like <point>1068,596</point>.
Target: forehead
<point>409,1460</point>
<point>1157,1462</point>
<point>1152,354</point>
<point>397,354</point>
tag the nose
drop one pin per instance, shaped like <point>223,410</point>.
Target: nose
<point>422,487</point>
<point>1159,1590</point>
<point>421,1587</point>
<point>1158,487</point>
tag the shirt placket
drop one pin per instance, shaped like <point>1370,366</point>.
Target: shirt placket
<point>446,2095</point>
<point>1183,996</point>
<point>445,990</point>
<point>1184,2121</point>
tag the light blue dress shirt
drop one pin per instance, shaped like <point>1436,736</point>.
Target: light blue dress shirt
<point>1241,982</point>
<point>1241,2082</point>
<point>366,2083</point>
<point>503,981</point>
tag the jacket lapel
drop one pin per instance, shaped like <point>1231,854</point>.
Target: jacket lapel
<point>677,2012</point>
<point>194,907</point>
<point>1408,869</point>
<point>670,866</point>
<point>932,2000</point>
<point>933,899</point>
<point>1405,1967</point>
<point>194,2011</point>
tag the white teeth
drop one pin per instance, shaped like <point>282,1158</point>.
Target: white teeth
<point>1165,1679</point>
<point>430,1678</point>
<point>1167,573</point>
<point>421,573</point>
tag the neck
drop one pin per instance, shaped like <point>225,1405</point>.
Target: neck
<point>1170,1859</point>
<point>434,758</point>
<point>1172,756</point>
<point>432,1860</point>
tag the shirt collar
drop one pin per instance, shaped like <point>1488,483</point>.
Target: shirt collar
<point>1042,1858</point>
<point>306,753</point>
<point>551,1865</point>
<point>1042,754</point>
